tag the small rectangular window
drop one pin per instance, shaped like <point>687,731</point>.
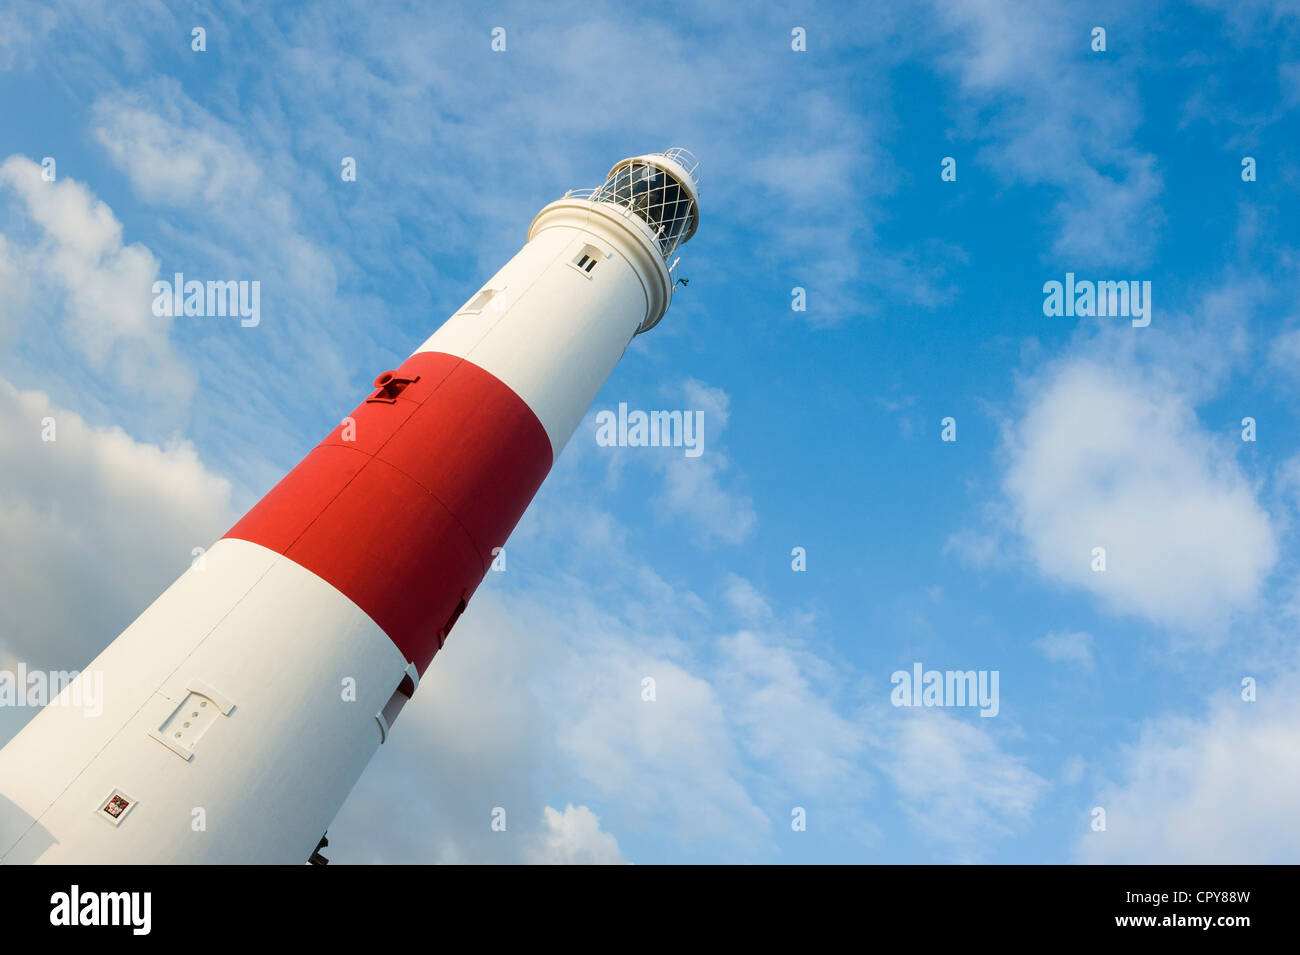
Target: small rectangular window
<point>479,301</point>
<point>586,260</point>
<point>115,807</point>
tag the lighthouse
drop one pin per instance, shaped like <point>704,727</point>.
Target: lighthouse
<point>236,713</point>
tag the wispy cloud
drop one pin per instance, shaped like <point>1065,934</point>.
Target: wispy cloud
<point>1052,112</point>
<point>956,784</point>
<point>1071,648</point>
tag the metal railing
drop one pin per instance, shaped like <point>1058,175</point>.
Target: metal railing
<point>654,195</point>
<point>686,159</point>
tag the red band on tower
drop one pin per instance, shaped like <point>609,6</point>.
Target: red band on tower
<point>402,505</point>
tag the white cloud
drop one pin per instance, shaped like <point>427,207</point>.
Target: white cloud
<point>779,700</point>
<point>574,837</point>
<point>975,548</point>
<point>693,487</point>
<point>178,154</point>
<point>1073,648</point>
<point>24,27</point>
<point>1107,456</point>
<point>168,160</point>
<point>93,526</point>
<point>1074,770</point>
<point>698,491</point>
<point>671,763</point>
<point>78,255</point>
<point>1220,789</point>
<point>747,601</point>
<point>13,293</point>
<point>954,781</point>
<point>1284,352</point>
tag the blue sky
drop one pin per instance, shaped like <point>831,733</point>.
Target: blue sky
<point>821,170</point>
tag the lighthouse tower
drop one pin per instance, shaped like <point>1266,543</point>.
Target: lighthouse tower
<point>238,711</point>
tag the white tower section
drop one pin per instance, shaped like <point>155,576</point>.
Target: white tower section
<point>220,715</point>
<point>596,271</point>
